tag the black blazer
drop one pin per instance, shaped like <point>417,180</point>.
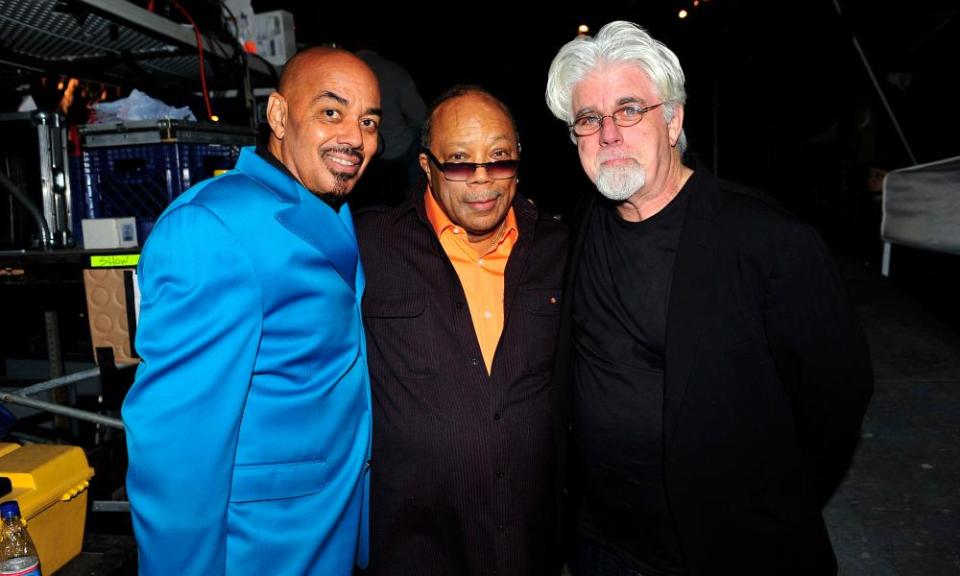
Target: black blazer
<point>463,478</point>
<point>767,377</point>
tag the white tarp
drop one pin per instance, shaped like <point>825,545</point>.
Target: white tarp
<point>921,206</point>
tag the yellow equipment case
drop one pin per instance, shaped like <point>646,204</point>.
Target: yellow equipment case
<point>50,483</point>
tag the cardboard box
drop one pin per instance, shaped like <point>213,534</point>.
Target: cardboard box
<point>109,233</point>
<point>50,483</point>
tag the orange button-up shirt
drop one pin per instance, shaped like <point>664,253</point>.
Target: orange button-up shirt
<point>481,275</point>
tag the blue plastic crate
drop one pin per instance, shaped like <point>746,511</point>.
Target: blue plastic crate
<point>78,205</point>
<point>141,180</point>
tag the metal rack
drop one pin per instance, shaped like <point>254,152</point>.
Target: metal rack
<point>116,42</point>
<point>24,397</point>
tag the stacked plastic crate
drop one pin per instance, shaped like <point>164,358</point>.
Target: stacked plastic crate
<point>137,168</point>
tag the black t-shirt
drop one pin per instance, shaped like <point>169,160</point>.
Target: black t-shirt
<point>620,301</point>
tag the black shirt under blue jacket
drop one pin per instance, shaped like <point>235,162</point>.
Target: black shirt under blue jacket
<point>766,380</point>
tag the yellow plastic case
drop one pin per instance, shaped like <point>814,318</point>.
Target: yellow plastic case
<point>50,483</point>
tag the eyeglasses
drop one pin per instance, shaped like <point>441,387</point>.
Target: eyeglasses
<point>462,171</point>
<point>627,116</point>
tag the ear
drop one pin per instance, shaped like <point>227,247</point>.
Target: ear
<point>675,126</point>
<point>425,166</point>
<point>277,114</point>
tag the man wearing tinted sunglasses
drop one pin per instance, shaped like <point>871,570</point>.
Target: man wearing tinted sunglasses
<point>718,374</point>
<point>461,311</point>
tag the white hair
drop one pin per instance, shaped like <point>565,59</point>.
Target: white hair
<point>617,42</point>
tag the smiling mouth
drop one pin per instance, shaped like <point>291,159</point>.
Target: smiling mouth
<point>343,165</point>
<point>483,206</point>
<point>343,162</point>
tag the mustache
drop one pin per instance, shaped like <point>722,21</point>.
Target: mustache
<point>601,158</point>
<point>483,196</point>
<point>346,150</point>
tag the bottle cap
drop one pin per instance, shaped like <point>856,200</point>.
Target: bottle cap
<point>9,509</point>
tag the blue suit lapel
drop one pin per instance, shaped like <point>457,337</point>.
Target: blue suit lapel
<point>308,217</point>
<point>361,279</point>
<point>330,233</point>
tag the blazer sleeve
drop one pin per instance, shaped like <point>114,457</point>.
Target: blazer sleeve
<point>200,324</point>
<point>820,354</point>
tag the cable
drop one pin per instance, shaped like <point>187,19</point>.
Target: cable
<point>203,69</point>
<point>46,240</point>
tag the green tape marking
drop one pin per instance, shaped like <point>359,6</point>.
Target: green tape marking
<point>114,260</point>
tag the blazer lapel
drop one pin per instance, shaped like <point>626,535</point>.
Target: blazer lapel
<point>360,277</point>
<point>563,388</point>
<point>693,279</point>
<point>526,215</point>
<point>579,218</point>
<point>330,233</point>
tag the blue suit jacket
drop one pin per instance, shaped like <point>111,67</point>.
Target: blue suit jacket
<point>248,426</point>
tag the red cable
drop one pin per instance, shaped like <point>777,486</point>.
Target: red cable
<point>203,69</point>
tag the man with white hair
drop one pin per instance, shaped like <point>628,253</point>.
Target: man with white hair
<point>712,372</point>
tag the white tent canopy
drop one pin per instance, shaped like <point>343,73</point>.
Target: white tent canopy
<point>921,208</point>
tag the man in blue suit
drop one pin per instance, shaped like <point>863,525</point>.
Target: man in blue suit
<point>248,426</point>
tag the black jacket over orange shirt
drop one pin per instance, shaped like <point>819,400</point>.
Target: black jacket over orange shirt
<point>464,463</point>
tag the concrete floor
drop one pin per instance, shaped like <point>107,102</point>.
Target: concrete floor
<point>898,511</point>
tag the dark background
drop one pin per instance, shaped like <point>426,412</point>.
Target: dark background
<point>778,97</point>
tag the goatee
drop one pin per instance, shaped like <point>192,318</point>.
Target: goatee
<point>620,182</point>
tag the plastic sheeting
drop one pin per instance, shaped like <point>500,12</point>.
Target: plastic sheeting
<point>921,206</point>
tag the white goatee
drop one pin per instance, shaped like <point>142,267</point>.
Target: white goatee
<point>620,182</point>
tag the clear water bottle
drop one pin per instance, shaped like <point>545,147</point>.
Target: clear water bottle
<point>18,555</point>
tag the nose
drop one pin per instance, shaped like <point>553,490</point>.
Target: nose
<point>609,131</point>
<point>480,175</point>
<point>350,135</point>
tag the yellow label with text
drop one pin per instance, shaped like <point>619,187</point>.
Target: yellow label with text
<point>114,260</point>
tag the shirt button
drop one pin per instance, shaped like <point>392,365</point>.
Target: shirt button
<point>366,465</point>
<point>488,314</point>
<point>474,362</point>
<point>500,474</point>
<point>480,262</point>
<point>459,305</point>
<point>496,416</point>
<point>456,230</point>
<point>501,529</point>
